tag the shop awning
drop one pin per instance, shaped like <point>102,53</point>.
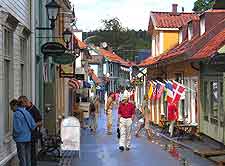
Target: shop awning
<point>74,84</point>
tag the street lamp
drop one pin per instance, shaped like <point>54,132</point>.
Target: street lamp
<point>52,12</point>
<point>67,36</point>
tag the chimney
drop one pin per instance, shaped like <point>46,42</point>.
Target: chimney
<point>174,8</point>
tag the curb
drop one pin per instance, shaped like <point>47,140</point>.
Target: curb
<point>177,142</point>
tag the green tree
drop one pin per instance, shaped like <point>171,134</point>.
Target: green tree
<point>203,5</point>
<point>121,40</point>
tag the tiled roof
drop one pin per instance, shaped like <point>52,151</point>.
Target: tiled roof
<point>198,47</point>
<point>172,20</point>
<point>93,76</point>
<point>149,61</point>
<point>211,47</point>
<point>114,57</point>
<point>81,44</point>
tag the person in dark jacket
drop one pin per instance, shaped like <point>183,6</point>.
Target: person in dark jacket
<point>23,124</point>
<point>34,112</point>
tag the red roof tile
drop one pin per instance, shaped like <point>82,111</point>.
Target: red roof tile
<point>80,43</point>
<point>93,76</point>
<point>114,57</point>
<point>172,20</point>
<point>211,47</point>
<point>149,61</point>
<point>197,48</point>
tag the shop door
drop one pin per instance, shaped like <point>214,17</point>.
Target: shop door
<point>213,106</point>
<point>50,108</point>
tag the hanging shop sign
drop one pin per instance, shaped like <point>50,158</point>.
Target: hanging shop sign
<point>64,59</point>
<point>67,71</point>
<point>79,76</point>
<point>53,49</point>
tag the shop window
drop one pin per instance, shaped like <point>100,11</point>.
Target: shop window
<point>214,100</point>
<point>179,77</point>
<point>205,100</point>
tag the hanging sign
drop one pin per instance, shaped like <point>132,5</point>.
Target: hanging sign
<point>64,59</point>
<point>53,48</point>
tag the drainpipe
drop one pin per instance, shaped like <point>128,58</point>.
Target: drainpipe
<point>32,49</point>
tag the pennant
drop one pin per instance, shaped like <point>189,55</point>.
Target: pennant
<point>150,91</point>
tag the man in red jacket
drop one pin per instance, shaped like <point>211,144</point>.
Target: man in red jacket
<point>126,112</point>
<point>172,116</point>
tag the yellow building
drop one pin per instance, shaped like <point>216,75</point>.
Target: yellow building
<point>166,33</point>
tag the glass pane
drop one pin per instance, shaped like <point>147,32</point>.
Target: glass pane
<point>6,94</point>
<point>214,100</point>
<point>205,100</point>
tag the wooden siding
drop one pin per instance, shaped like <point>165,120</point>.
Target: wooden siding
<point>170,40</point>
<point>20,9</point>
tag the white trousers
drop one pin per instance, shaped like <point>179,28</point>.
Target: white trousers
<point>125,132</point>
<point>171,128</point>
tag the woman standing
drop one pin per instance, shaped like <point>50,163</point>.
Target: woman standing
<point>23,125</point>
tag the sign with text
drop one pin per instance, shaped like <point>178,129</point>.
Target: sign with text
<point>53,49</point>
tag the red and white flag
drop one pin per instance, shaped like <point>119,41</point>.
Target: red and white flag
<point>178,91</point>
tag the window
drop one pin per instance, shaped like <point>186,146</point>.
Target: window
<point>179,77</point>
<point>202,25</point>
<point>8,78</point>
<point>7,42</point>
<point>206,100</point>
<point>23,48</point>
<point>7,95</point>
<point>214,100</point>
<point>21,79</point>
<point>190,31</point>
<point>180,36</point>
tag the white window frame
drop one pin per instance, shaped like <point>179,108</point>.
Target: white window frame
<point>8,56</point>
<point>190,31</point>
<point>180,36</point>
<point>202,25</point>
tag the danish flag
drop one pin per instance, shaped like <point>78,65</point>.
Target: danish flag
<point>178,91</point>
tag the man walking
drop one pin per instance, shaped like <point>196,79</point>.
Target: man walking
<point>125,117</point>
<point>34,112</point>
<point>109,107</point>
<point>23,124</point>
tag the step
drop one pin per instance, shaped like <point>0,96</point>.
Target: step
<point>209,152</point>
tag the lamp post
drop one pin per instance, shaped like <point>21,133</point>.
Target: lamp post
<point>52,12</point>
<point>67,36</point>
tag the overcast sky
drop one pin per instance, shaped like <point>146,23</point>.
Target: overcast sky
<point>133,14</point>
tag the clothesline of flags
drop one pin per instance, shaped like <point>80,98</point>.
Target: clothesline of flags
<point>173,90</point>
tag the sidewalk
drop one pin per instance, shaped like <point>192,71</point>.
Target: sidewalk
<point>203,146</point>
